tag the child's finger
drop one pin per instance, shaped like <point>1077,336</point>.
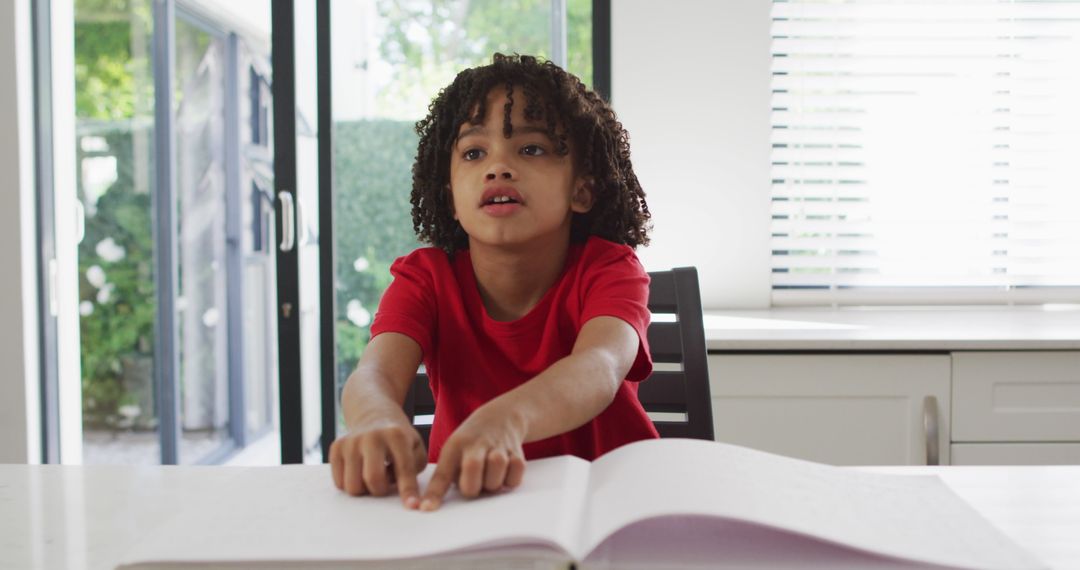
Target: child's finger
<point>420,457</point>
<point>439,483</point>
<point>472,472</point>
<point>337,464</point>
<point>495,470</point>
<point>515,471</point>
<point>375,466</point>
<point>354,469</point>
<point>405,469</point>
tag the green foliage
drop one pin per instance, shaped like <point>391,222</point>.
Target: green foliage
<point>117,335</point>
<point>579,59</point>
<point>372,218</point>
<point>467,33</point>
<point>112,59</point>
<point>113,82</point>
<point>428,42</point>
<point>108,9</point>
<point>522,26</point>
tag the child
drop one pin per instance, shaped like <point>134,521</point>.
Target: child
<point>530,310</point>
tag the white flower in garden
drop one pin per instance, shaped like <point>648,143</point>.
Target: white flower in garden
<point>210,317</point>
<point>96,276</point>
<point>86,308</point>
<point>357,313</point>
<point>105,293</point>
<point>129,411</point>
<point>109,251</point>
<point>360,264</point>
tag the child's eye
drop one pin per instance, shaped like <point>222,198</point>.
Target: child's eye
<point>472,154</point>
<point>533,150</point>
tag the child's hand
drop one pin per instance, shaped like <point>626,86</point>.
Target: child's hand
<point>484,453</point>
<point>372,457</point>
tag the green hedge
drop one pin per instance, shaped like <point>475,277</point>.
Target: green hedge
<point>372,181</point>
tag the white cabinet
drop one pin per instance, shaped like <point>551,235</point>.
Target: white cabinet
<point>978,408</point>
<point>847,385</point>
<point>1016,396</point>
<point>842,409</point>
<point>1016,408</point>
<point>1016,454</point>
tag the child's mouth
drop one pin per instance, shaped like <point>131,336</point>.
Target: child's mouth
<point>500,196</point>
<point>500,208</point>
<point>501,200</point>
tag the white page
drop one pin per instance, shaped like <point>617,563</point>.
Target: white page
<point>294,513</point>
<point>913,517</point>
<point>695,543</point>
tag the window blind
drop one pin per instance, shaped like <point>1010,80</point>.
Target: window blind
<point>925,152</point>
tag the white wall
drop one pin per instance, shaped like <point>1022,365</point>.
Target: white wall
<point>690,82</point>
<point>19,404</point>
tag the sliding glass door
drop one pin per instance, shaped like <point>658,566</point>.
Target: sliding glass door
<point>168,324</point>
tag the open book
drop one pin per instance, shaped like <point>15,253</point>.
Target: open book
<point>669,503</point>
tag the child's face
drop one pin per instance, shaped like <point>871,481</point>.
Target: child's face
<point>513,191</point>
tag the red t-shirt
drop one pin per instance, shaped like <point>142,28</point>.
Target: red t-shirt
<point>471,358</point>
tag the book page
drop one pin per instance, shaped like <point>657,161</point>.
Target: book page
<point>295,513</point>
<point>912,517</point>
<point>692,542</point>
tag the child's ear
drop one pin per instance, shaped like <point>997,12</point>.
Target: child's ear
<point>581,201</point>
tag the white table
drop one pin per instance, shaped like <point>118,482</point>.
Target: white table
<point>88,517</point>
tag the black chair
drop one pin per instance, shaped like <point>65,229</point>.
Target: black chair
<point>682,392</point>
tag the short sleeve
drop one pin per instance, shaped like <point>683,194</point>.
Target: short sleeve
<point>616,285</point>
<point>408,305</point>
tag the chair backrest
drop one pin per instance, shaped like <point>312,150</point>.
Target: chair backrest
<point>684,390</point>
<point>677,397</point>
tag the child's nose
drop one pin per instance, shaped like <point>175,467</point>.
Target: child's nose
<point>501,171</point>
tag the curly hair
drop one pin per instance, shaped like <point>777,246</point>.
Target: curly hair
<point>600,143</point>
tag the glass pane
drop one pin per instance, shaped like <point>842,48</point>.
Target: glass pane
<point>579,40</point>
<point>200,201</point>
<point>225,302</point>
<point>115,174</point>
<point>386,70</point>
<point>250,232</point>
<point>225,180</point>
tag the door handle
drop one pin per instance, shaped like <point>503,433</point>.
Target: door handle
<point>288,221</point>
<point>930,428</point>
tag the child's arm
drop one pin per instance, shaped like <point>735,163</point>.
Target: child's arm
<point>485,452</point>
<point>378,428</point>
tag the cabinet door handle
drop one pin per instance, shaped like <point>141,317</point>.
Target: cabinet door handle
<point>288,221</point>
<point>930,427</point>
